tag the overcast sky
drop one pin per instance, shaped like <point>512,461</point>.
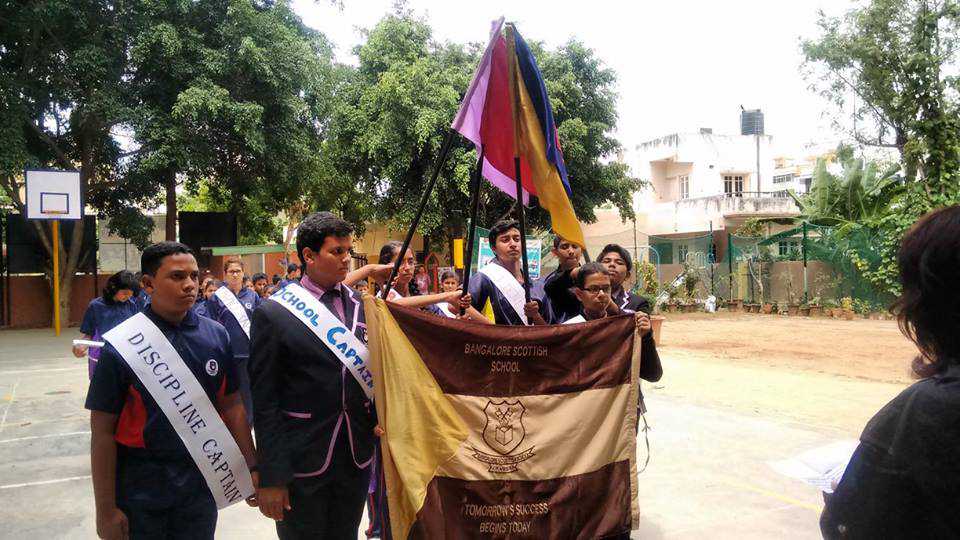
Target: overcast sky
<point>682,64</point>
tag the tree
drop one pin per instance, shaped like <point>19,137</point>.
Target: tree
<point>62,94</point>
<point>402,98</point>
<point>233,94</point>
<point>898,58</point>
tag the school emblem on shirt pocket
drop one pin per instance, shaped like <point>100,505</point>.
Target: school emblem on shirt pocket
<point>212,367</point>
<point>248,305</point>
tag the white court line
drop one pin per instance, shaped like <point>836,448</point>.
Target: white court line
<point>42,370</point>
<point>45,482</point>
<point>13,395</point>
<point>33,437</point>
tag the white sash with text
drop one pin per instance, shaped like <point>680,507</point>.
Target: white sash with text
<point>508,285</point>
<point>351,352</point>
<point>236,308</point>
<point>184,402</point>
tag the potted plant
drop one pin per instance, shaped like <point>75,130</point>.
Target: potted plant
<point>846,305</point>
<point>793,309</point>
<point>735,304</point>
<point>829,308</point>
<point>805,309</point>
<point>768,308</point>
<point>816,309</point>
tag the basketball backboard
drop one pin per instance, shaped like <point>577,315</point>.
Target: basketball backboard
<point>53,194</point>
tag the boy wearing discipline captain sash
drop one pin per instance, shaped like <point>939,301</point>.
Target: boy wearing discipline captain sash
<point>501,280</point>
<point>169,438</point>
<point>312,394</point>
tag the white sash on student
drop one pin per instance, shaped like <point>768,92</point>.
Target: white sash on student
<point>351,352</point>
<point>574,320</point>
<point>184,402</point>
<point>236,308</point>
<point>509,287</point>
<point>444,308</point>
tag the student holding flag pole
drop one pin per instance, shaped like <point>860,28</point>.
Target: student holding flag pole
<point>506,113</point>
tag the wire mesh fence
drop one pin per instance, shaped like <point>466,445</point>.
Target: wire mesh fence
<point>802,264</point>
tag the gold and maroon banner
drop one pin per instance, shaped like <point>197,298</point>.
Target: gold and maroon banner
<point>505,431</point>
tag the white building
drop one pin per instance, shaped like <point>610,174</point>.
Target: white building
<point>703,181</point>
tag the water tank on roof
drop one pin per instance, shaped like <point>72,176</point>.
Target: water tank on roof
<point>751,122</point>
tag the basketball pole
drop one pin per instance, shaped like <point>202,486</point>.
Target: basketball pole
<point>56,276</point>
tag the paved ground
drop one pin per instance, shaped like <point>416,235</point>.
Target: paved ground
<point>708,476</point>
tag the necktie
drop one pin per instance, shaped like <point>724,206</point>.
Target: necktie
<point>329,299</point>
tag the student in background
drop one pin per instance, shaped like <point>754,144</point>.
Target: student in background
<point>560,303</point>
<point>293,275</point>
<point>204,298</point>
<point>400,293</point>
<point>362,286</point>
<point>141,294</point>
<point>260,284</point>
<point>114,306</point>
<point>233,306</point>
<point>450,282</point>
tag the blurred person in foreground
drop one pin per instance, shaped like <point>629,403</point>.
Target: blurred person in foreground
<point>903,480</point>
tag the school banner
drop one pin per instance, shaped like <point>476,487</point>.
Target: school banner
<point>505,431</point>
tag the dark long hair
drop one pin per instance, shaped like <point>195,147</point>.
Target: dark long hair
<point>123,279</point>
<point>928,310</point>
<point>390,250</point>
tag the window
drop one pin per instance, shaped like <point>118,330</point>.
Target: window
<point>787,248</point>
<point>684,187</point>
<point>733,185</point>
<point>783,178</point>
<point>682,251</point>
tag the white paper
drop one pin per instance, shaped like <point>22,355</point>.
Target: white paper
<point>821,467</point>
<point>89,343</point>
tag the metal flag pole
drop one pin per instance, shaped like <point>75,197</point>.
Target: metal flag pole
<point>515,110</point>
<point>441,159</point>
<point>474,210</point>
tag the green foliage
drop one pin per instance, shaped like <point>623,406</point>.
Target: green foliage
<point>752,228</point>
<point>647,282</point>
<point>398,105</point>
<point>899,58</point>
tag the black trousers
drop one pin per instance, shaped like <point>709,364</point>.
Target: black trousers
<point>191,519</point>
<point>331,511</point>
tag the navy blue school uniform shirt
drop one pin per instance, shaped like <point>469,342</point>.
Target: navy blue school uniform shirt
<point>481,289</point>
<point>218,311</point>
<point>101,317</point>
<point>142,299</point>
<point>153,465</point>
<point>559,303</point>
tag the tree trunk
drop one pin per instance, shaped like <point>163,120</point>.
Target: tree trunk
<point>170,183</point>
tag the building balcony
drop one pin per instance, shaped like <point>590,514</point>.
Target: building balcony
<point>716,212</point>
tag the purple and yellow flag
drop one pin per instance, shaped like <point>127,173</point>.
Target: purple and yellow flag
<point>505,431</point>
<point>499,104</point>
